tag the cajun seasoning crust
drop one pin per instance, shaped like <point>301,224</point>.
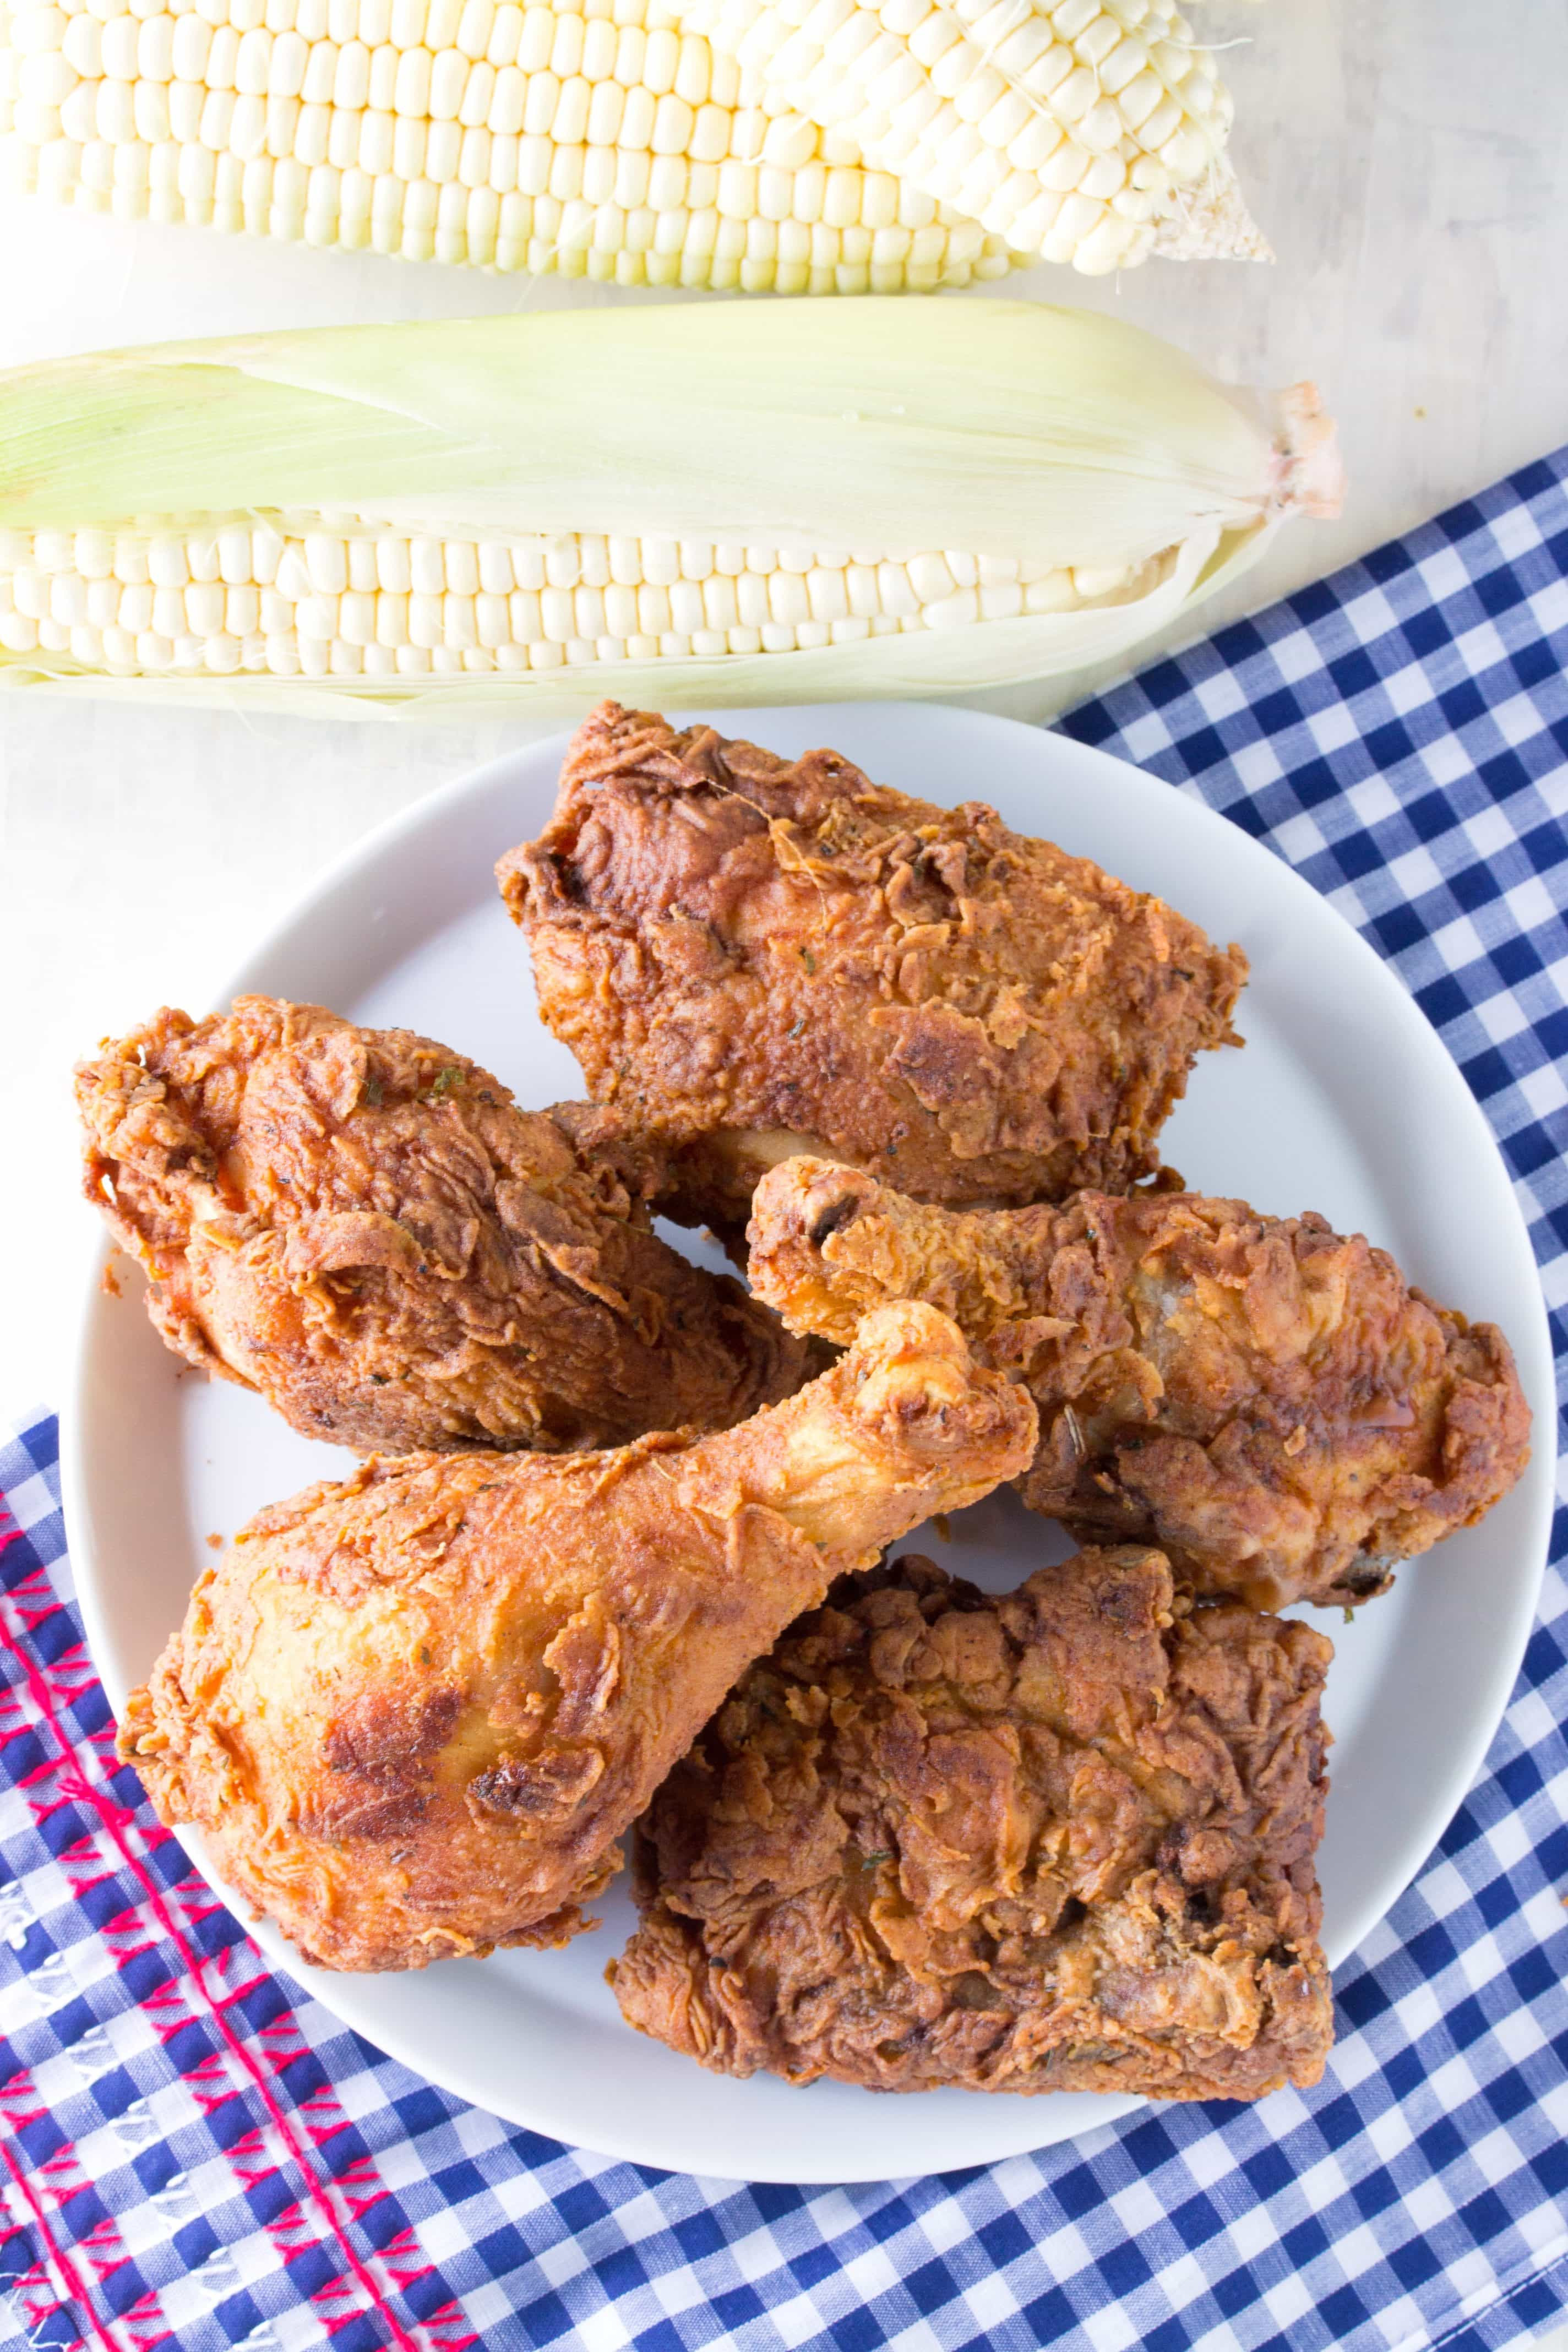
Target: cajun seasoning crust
<point>413,1713</point>
<point>1062,1840</point>
<point>751,953</point>
<point>1266,1400</point>
<point>362,1224</point>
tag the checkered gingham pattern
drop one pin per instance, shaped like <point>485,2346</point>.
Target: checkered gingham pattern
<point>194,2153</point>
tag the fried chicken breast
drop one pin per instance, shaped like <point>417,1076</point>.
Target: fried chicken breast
<point>1061,1841</point>
<point>413,1713</point>
<point>1268,1400</point>
<point>751,956</point>
<point>362,1225</point>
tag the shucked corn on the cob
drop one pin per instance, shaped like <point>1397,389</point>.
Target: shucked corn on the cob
<point>700,503</point>
<point>591,137</point>
<point>317,596</point>
<point>1089,131</point>
<point>870,144</point>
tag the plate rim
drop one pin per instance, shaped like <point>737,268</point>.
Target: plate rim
<point>1533,1351</point>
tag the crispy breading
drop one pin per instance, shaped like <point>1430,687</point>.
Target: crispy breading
<point>751,956</point>
<point>1059,1841</point>
<point>413,1713</point>
<point>1266,1400</point>
<point>362,1225</point>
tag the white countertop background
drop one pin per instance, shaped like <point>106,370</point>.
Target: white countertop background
<point>1407,158</point>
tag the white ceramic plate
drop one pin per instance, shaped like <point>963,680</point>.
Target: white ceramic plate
<point>1343,1101</point>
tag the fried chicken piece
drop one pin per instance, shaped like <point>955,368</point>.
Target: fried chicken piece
<point>754,956</point>
<point>1062,1840</point>
<point>363,1226</point>
<point>413,1713</point>
<point>1266,1400</point>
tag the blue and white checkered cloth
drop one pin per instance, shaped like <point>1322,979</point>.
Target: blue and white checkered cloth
<point>194,2153</point>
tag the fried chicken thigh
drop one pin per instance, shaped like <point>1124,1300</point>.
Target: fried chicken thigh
<point>363,1226</point>
<point>753,956</point>
<point>1268,1400</point>
<point>1062,1840</point>
<point>413,1713</point>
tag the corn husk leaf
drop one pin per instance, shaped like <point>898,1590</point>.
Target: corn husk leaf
<point>1004,428</point>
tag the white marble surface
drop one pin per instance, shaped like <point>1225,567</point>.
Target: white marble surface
<point>1407,160</point>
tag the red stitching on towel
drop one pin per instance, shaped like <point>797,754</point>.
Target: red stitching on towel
<point>75,2290</point>
<point>116,1821</point>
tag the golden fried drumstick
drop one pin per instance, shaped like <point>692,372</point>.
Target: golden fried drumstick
<point>413,1713</point>
<point>362,1225</point>
<point>753,956</point>
<point>1062,1840</point>
<point>1268,1400</point>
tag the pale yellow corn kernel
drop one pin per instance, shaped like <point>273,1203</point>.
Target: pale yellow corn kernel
<point>391,619</point>
<point>460,567</point>
<point>685,606</point>
<point>18,633</point>
<point>588,614</point>
<point>494,569</point>
<point>653,616</point>
<point>424,620</point>
<point>526,618</point>
<point>557,619</point>
<point>168,613</point>
<point>221,655</point>
<point>828,593</point>
<point>620,609</point>
<point>291,575</point>
<point>752,599</point>
<point>326,564</point>
<point>411,91</point>
<point>68,600</point>
<point>165,564</point>
<point>203,608</point>
<point>478,92</point>
<point>1050,592</point>
<point>929,578</point>
<point>427,566</point>
<point>492,619</point>
<point>896,592</point>
<point>527,565</point>
<point>563,564</point>
<point>448,78</point>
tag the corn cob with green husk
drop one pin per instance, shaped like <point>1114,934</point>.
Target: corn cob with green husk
<point>863,150</point>
<point>689,504</point>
